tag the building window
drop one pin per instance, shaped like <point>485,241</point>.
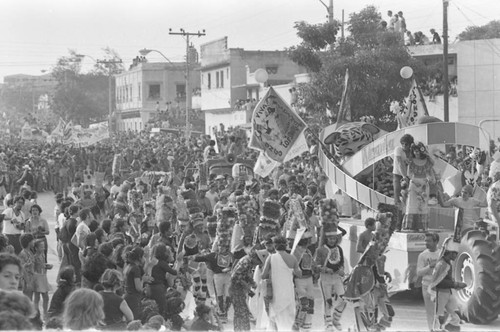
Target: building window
<point>217,85</point>
<point>154,91</point>
<point>221,78</point>
<point>139,92</point>
<point>209,81</point>
<point>180,90</point>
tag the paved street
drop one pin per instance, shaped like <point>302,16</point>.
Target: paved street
<point>410,315</point>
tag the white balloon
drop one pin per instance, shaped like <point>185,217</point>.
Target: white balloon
<point>261,75</point>
<point>406,72</point>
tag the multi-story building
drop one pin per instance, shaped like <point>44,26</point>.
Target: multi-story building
<point>474,71</point>
<point>147,89</point>
<point>224,85</point>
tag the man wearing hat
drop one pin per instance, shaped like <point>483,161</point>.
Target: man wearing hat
<point>330,260</point>
<point>443,284</point>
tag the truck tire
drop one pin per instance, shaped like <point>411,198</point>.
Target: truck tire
<point>478,265</point>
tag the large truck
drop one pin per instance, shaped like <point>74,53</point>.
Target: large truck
<point>478,262</point>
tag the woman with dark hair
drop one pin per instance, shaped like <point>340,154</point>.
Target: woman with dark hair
<point>134,280</point>
<point>38,226</point>
<point>64,288</point>
<point>117,313</point>
<point>106,226</point>
<point>163,257</point>
<point>70,251</point>
<point>420,174</point>
<point>121,226</point>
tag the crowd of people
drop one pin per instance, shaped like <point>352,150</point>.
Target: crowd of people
<point>141,242</point>
<point>149,238</point>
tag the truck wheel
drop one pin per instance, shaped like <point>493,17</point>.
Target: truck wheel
<point>478,265</point>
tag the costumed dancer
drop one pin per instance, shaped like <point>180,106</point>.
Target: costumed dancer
<point>367,287</point>
<point>221,260</point>
<point>198,241</point>
<point>268,228</point>
<point>304,287</point>
<point>330,260</point>
<point>247,221</point>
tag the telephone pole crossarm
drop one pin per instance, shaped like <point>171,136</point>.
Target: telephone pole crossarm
<point>188,92</point>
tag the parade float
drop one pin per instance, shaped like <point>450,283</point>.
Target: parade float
<point>357,159</point>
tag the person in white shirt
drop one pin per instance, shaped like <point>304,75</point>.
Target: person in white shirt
<point>399,171</point>
<point>115,189</point>
<point>468,204</point>
<point>212,194</point>
<point>426,261</point>
<point>82,230</point>
<point>14,223</point>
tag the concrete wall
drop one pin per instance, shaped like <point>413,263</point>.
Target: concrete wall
<point>479,84</point>
<point>229,119</point>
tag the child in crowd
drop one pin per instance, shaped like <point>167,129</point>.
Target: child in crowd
<point>42,287</point>
<point>10,272</point>
<point>202,321</point>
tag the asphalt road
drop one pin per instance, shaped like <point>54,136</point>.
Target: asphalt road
<point>409,309</point>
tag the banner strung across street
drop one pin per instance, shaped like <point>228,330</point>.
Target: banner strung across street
<point>275,127</point>
<point>87,136</point>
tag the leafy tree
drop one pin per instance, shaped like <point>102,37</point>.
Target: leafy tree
<point>315,39</point>
<point>82,98</point>
<point>488,31</point>
<point>374,58</point>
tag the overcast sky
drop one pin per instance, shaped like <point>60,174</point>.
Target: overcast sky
<point>34,33</point>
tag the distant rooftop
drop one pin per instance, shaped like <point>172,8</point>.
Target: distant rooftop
<point>432,49</point>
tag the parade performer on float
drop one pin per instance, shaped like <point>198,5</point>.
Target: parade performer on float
<point>421,174</point>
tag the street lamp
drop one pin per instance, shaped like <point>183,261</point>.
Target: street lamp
<point>146,51</point>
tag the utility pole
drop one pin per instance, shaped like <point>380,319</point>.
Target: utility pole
<point>342,28</point>
<point>107,64</point>
<point>188,89</point>
<point>445,62</point>
<point>329,9</point>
